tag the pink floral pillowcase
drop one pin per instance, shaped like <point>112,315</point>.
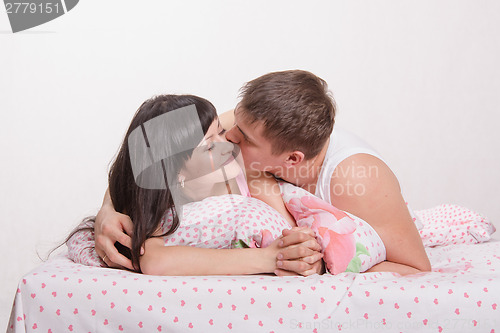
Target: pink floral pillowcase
<point>349,243</point>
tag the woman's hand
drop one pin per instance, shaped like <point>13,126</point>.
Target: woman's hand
<point>270,256</point>
<point>110,227</point>
<point>299,253</point>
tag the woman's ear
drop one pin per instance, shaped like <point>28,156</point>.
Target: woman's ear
<point>294,158</point>
<point>181,180</point>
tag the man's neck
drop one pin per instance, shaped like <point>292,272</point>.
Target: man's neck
<point>306,174</point>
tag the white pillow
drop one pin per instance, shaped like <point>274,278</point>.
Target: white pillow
<point>226,221</point>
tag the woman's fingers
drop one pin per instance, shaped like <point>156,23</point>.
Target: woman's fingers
<point>317,256</point>
<point>300,252</point>
<point>296,266</point>
<point>282,272</point>
<point>296,251</point>
<point>295,237</point>
<point>304,230</point>
<point>295,241</point>
<point>301,267</point>
<point>310,272</point>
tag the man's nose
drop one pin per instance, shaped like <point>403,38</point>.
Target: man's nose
<point>232,135</point>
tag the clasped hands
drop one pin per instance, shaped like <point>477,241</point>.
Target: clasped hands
<point>296,252</point>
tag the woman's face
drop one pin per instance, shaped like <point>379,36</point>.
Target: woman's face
<point>212,160</point>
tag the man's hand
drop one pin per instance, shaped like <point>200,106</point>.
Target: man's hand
<point>300,253</point>
<point>110,227</point>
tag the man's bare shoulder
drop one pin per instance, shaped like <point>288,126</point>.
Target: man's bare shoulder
<point>362,178</point>
<point>360,168</point>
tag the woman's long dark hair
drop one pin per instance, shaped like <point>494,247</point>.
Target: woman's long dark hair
<point>146,207</point>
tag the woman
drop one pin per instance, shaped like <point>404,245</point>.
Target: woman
<point>168,159</point>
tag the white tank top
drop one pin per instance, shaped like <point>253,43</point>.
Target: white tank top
<point>342,145</point>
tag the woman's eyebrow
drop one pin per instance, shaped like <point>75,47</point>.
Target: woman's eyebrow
<point>205,140</point>
<point>209,137</point>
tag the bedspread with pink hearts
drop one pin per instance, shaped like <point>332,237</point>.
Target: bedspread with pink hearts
<point>462,294</point>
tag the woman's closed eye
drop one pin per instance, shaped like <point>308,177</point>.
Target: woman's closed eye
<point>210,146</point>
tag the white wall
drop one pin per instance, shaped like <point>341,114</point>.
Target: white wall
<point>420,80</point>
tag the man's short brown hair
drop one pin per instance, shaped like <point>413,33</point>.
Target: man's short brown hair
<point>296,108</point>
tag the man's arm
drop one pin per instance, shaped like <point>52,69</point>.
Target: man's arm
<point>110,227</point>
<point>365,186</point>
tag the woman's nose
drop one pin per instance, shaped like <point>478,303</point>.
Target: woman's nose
<point>232,135</point>
<point>226,148</point>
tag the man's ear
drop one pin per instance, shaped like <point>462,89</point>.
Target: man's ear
<point>294,158</point>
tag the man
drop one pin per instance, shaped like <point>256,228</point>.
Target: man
<point>284,126</point>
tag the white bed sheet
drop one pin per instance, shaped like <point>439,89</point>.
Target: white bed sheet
<point>462,294</point>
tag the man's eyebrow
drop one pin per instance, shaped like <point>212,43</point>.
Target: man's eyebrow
<point>246,136</point>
